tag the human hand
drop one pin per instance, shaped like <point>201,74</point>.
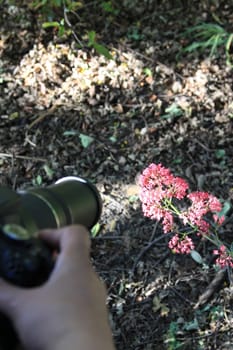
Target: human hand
<point>68,311</point>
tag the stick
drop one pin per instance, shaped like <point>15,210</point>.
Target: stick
<point>213,287</point>
<point>8,155</point>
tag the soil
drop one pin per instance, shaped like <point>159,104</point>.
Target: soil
<point>66,110</point>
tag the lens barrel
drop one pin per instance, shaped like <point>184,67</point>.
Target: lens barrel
<point>71,200</point>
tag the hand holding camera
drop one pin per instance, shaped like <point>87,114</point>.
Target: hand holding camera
<point>26,260</point>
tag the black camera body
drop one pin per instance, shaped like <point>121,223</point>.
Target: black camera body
<point>25,260</point>
<point>26,263</point>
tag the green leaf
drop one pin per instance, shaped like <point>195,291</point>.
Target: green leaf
<point>196,257</point>
<point>61,31</point>
<point>49,172</point>
<point>215,44</point>
<point>108,7</point>
<point>91,37</point>
<point>229,42</point>
<point>39,3</point>
<point>225,209</point>
<point>113,139</point>
<point>228,46</point>
<point>85,140</point>
<point>134,34</point>
<point>50,24</point>
<point>172,112</point>
<point>95,230</point>
<point>38,180</point>
<point>191,326</point>
<point>58,3</point>
<point>173,109</point>
<point>74,6</point>
<point>102,50</point>
<point>205,30</point>
<point>133,198</point>
<point>148,72</point>
<point>220,153</point>
<point>177,160</point>
<point>70,133</point>
<point>231,249</point>
<point>208,36</point>
<point>14,115</point>
<point>193,47</point>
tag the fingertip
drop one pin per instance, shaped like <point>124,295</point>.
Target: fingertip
<point>74,235</point>
<point>73,243</point>
<point>8,294</point>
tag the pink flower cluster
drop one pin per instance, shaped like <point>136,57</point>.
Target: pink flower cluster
<point>158,184</point>
<point>181,245</point>
<point>202,203</point>
<point>158,188</point>
<point>159,179</point>
<point>224,258</point>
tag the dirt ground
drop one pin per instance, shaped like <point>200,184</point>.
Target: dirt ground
<point>66,110</point>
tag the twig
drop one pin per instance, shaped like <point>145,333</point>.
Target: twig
<point>105,237</point>
<point>203,146</point>
<point>182,296</point>
<point>8,155</point>
<point>213,287</point>
<point>149,245</point>
<point>43,115</point>
<point>71,27</point>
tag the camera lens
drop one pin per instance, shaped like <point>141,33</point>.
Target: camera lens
<point>71,200</point>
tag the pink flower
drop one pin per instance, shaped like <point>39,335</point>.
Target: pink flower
<point>179,188</point>
<point>153,211</point>
<point>181,245</point>
<point>158,184</point>
<point>224,259</point>
<point>202,203</point>
<point>158,188</point>
<point>214,204</point>
<point>203,227</point>
<point>167,222</point>
<point>155,176</point>
<point>218,220</point>
<point>193,218</point>
<point>205,201</point>
<point>157,212</point>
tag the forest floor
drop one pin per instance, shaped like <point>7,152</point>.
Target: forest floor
<point>66,110</point>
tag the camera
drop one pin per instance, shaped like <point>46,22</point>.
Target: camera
<point>25,260</point>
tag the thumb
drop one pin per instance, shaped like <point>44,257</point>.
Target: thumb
<point>9,294</point>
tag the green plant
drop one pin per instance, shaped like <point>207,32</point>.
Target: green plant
<point>101,49</point>
<point>95,230</point>
<point>60,26</point>
<point>173,111</point>
<point>37,181</point>
<point>171,337</point>
<point>53,4</point>
<point>108,7</point>
<point>209,36</point>
<point>134,34</point>
<point>85,140</point>
<point>186,215</point>
<point>54,14</point>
